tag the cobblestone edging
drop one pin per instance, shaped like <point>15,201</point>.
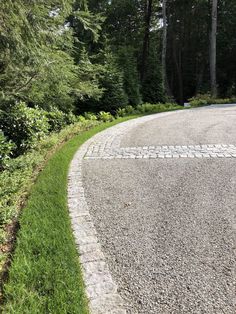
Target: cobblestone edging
<point>100,288</point>
<point>153,152</point>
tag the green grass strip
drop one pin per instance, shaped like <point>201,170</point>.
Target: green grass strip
<point>45,275</point>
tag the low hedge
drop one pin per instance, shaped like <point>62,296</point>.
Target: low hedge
<point>206,99</point>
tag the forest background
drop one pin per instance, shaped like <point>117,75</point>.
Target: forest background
<point>100,55</point>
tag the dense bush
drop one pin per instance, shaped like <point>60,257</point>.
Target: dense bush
<point>206,99</point>
<point>56,119</point>
<point>198,102</point>
<point>24,126</point>
<point>90,116</point>
<point>121,112</point>
<point>146,108</point>
<point>105,116</point>
<point>149,108</point>
<point>6,149</point>
<point>81,119</point>
<point>129,110</point>
<point>70,118</point>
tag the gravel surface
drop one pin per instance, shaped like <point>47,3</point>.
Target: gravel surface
<point>206,125</point>
<point>168,226</point>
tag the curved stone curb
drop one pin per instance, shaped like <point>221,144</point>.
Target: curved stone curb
<point>101,290</point>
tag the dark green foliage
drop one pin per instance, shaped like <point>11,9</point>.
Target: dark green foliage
<point>226,49</point>
<point>37,63</point>
<point>124,29</point>
<point>6,150</point>
<point>206,99</point>
<point>90,116</point>
<point>152,85</point>
<point>112,81</point>
<point>70,118</point>
<point>24,126</point>
<point>128,64</point>
<point>56,119</point>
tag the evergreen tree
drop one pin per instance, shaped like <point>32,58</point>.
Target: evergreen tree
<point>152,87</point>
<point>128,64</point>
<point>36,55</point>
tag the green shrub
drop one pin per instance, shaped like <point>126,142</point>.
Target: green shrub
<point>198,103</point>
<point>56,119</point>
<point>129,110</point>
<point>81,119</point>
<point>90,116</point>
<point>206,99</point>
<point>24,126</point>
<point>121,112</point>
<point>6,149</point>
<point>70,118</point>
<point>105,116</point>
<point>152,108</point>
<point>218,101</point>
<point>146,108</point>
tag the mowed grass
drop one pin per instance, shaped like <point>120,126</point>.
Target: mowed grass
<point>45,275</point>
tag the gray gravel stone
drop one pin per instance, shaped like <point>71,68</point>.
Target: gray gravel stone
<point>167,226</point>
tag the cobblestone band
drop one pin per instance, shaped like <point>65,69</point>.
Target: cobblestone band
<point>153,152</point>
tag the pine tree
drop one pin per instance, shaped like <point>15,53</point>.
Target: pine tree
<point>128,65</point>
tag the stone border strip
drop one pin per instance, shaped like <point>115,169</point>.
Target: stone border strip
<point>153,152</point>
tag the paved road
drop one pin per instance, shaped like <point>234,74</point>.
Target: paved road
<point>168,225</point>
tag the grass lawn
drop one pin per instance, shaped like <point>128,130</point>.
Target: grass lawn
<point>45,275</point>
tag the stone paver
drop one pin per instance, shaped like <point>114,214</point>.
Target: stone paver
<point>152,152</point>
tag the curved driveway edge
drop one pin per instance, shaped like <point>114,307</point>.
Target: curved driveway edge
<point>100,288</point>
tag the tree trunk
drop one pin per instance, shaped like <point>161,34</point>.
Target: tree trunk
<point>177,56</point>
<point>147,20</point>
<point>213,48</point>
<point>164,49</point>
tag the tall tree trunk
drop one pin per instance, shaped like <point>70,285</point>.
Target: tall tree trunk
<point>213,48</point>
<point>147,21</point>
<point>164,50</point>
<point>177,56</point>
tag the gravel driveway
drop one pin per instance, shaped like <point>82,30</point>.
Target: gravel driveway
<point>167,225</point>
